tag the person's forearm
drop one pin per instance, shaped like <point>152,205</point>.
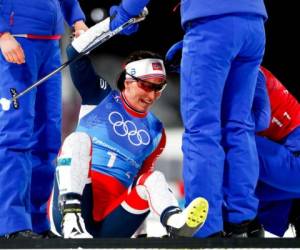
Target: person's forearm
<point>72,11</point>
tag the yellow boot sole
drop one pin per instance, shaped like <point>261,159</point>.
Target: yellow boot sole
<point>196,214</point>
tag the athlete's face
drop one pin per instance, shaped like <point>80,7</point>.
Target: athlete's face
<point>142,94</point>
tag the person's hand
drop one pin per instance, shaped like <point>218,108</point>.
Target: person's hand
<point>79,28</point>
<point>173,57</point>
<point>119,16</point>
<point>11,49</point>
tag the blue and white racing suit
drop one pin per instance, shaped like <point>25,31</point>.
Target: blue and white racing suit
<point>125,145</point>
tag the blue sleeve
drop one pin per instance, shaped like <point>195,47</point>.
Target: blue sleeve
<point>91,87</point>
<point>3,24</point>
<point>134,7</point>
<point>261,108</point>
<point>72,11</point>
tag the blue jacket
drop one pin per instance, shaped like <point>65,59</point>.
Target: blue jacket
<point>194,9</point>
<point>38,17</point>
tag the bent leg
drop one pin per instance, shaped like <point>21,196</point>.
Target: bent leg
<point>73,163</point>
<point>274,215</point>
<point>72,177</point>
<point>279,167</point>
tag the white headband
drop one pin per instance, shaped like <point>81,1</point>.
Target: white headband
<point>146,68</point>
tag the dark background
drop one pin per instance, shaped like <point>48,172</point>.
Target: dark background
<point>162,28</point>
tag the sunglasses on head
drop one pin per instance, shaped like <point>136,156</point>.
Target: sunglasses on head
<point>148,86</point>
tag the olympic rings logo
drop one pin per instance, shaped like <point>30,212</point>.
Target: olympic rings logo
<point>128,128</point>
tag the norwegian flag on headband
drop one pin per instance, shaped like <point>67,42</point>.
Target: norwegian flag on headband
<point>146,67</point>
<point>156,66</point>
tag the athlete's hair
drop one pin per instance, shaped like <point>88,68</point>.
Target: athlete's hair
<point>135,56</point>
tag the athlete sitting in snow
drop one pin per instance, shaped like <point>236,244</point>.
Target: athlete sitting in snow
<point>106,183</point>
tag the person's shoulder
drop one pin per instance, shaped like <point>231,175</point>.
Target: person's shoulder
<point>154,119</point>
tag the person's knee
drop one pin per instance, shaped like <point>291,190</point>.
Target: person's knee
<point>151,183</point>
<point>75,140</point>
<point>151,178</point>
<point>73,163</point>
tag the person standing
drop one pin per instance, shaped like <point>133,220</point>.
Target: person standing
<point>223,47</point>
<point>277,118</point>
<point>30,133</point>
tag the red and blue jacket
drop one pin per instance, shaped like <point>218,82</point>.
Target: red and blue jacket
<point>285,109</point>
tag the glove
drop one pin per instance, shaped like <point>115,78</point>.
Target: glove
<point>118,16</point>
<point>91,36</point>
<point>173,57</point>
